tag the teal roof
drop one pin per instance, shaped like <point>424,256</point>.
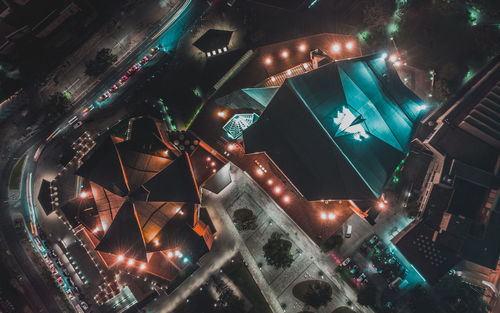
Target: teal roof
<point>338,131</point>
<point>261,95</point>
<point>238,123</point>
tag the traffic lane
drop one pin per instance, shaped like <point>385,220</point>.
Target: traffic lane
<point>10,235</point>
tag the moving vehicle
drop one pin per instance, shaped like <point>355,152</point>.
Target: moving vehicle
<point>113,89</point>
<point>38,152</point>
<point>143,61</point>
<point>123,79</point>
<point>154,50</point>
<point>61,282</point>
<point>132,70</point>
<point>78,124</point>
<point>103,97</point>
<point>348,231</point>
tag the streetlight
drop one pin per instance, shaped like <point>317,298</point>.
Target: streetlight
<point>84,194</point>
<point>349,45</point>
<point>331,216</point>
<point>284,54</point>
<point>268,61</point>
<point>221,114</point>
<point>323,215</point>
<point>286,199</point>
<point>336,48</point>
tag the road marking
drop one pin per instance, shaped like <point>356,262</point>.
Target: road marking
<point>173,19</point>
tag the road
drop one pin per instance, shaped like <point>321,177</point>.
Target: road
<point>13,149</point>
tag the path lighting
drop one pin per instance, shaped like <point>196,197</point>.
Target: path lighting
<point>209,159</point>
<point>131,262</point>
<point>212,164</point>
<point>393,58</point>
<point>268,61</point>
<point>277,189</point>
<point>286,199</point>
<point>269,182</point>
<point>156,242</point>
<point>284,54</point>
<point>336,47</point>
<point>170,255</point>
<point>302,47</point>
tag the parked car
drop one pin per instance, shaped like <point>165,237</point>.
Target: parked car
<point>346,261</point>
<point>84,305</point>
<point>143,61</point>
<point>103,97</point>
<point>361,277</point>
<point>53,269</point>
<point>348,231</point>
<point>65,271</point>
<point>70,294</point>
<point>132,70</point>
<point>58,262</point>
<point>113,89</point>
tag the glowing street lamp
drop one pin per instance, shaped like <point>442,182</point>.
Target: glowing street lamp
<point>331,216</point>
<point>323,215</point>
<point>209,159</point>
<point>284,54</point>
<point>156,242</point>
<point>393,58</point>
<point>269,182</point>
<point>84,194</point>
<point>231,147</point>
<point>277,189</point>
<point>349,45</point>
<point>120,258</point>
<point>302,47</point>
<point>170,254</point>
<point>286,199</point>
<point>143,266</point>
<point>130,262</point>
<point>336,47</point>
<point>165,153</point>
<point>268,61</point>
<point>260,172</point>
<point>221,114</point>
<point>381,205</point>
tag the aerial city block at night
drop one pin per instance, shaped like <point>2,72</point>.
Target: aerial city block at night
<point>250,156</point>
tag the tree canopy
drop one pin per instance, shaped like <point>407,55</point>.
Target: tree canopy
<point>103,60</point>
<point>331,243</point>
<point>277,251</point>
<point>244,219</point>
<point>318,294</point>
<point>58,103</point>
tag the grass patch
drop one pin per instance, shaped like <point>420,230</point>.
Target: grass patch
<point>241,277</point>
<point>299,291</point>
<point>15,176</point>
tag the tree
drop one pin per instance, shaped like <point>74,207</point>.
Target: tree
<point>461,296</point>
<point>277,251</point>
<point>227,302</point>
<point>378,14</point>
<point>318,294</point>
<point>368,295</point>
<point>332,243</point>
<point>103,60</point>
<point>58,103</point>
<point>441,91</point>
<point>244,219</point>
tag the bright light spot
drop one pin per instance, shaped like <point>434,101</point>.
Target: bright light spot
<point>130,262</point>
<point>284,54</point>
<point>384,55</point>
<point>397,63</point>
<point>185,260</point>
<point>212,163</point>
<point>286,199</point>
<point>219,50</point>
<point>170,254</point>
<point>213,52</point>
<point>421,107</point>
<point>84,194</point>
<point>269,181</point>
<point>214,170</point>
<point>381,205</point>
<point>289,72</point>
<point>165,152</point>
<point>336,47</point>
<point>331,216</point>
<point>260,172</point>
<point>143,266</point>
<point>120,258</point>
<point>393,58</point>
<point>221,114</point>
<point>323,215</point>
<point>156,241</point>
<point>208,54</point>
<point>268,61</point>
<point>96,229</point>
<point>273,79</point>
<point>306,65</point>
<point>177,253</point>
<point>231,147</point>
<point>277,189</point>
<point>209,159</point>
<point>349,45</point>
<point>224,49</point>
<point>302,47</point>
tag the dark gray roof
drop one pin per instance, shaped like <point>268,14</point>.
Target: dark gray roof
<point>338,131</point>
<point>44,197</point>
<point>213,39</point>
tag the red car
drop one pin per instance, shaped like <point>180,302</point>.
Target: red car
<point>132,70</point>
<point>143,61</point>
<point>103,97</point>
<point>113,89</point>
<point>123,79</point>
<point>61,281</point>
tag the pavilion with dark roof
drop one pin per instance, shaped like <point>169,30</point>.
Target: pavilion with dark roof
<point>339,131</point>
<point>140,202</point>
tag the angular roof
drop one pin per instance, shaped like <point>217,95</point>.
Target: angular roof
<point>138,192</point>
<point>175,183</point>
<point>213,39</point>
<point>338,131</point>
